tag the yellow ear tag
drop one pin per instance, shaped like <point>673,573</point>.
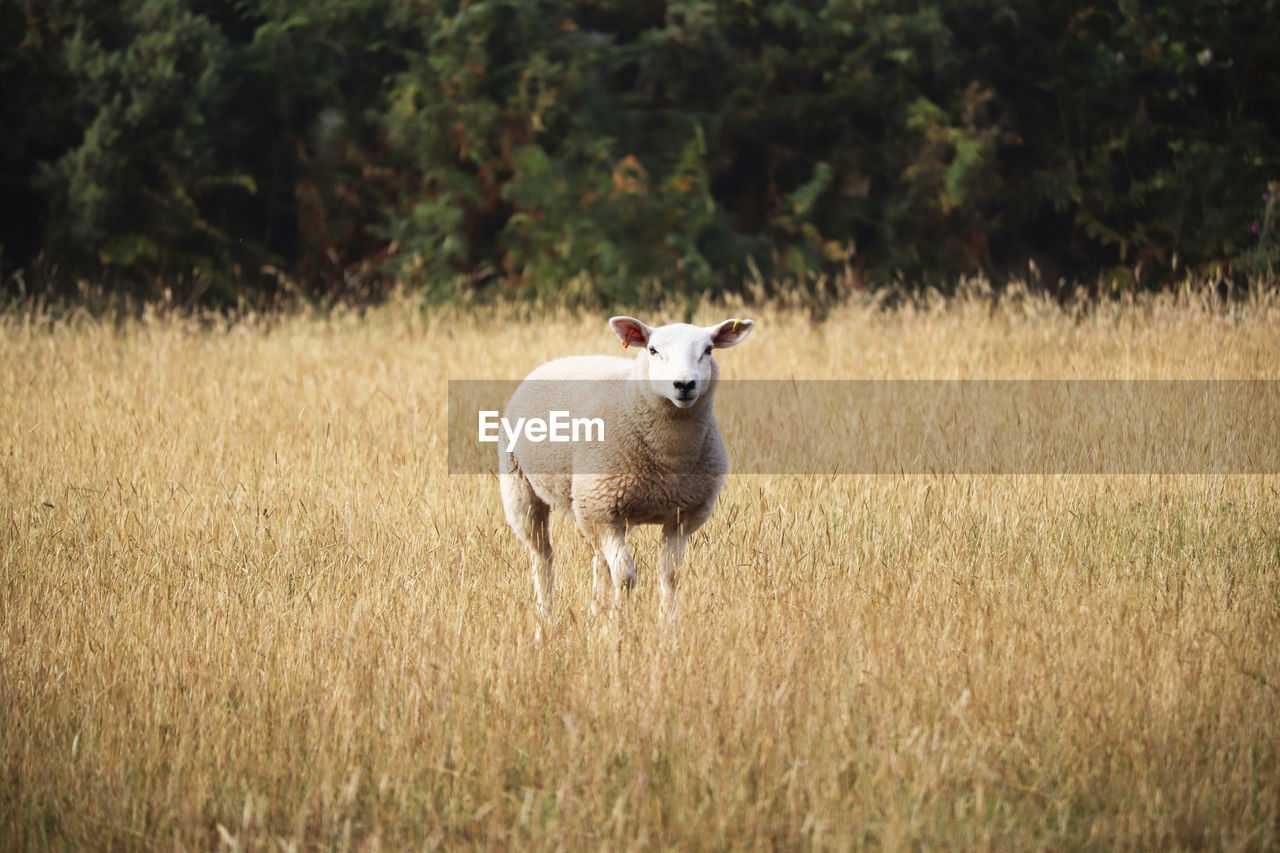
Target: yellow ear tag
<point>734,330</point>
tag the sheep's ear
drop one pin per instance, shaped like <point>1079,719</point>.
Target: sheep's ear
<point>630,331</point>
<point>729,333</point>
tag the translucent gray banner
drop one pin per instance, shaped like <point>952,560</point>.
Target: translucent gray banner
<point>904,426</point>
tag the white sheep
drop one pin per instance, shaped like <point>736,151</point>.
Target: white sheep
<point>661,460</point>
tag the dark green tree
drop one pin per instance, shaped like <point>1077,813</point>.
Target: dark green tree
<point>595,148</point>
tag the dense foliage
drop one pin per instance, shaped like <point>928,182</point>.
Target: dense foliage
<point>227,148</point>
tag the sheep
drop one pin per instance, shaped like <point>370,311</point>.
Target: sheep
<point>662,460</point>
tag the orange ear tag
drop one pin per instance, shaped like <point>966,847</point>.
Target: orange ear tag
<point>631,333</point>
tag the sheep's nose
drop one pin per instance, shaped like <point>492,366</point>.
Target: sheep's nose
<point>685,387</point>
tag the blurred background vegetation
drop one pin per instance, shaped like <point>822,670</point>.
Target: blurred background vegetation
<point>597,150</point>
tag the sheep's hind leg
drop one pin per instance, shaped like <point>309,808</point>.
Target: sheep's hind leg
<point>610,541</point>
<point>528,516</point>
<point>600,581</point>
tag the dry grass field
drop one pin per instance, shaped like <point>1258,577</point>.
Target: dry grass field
<point>243,604</point>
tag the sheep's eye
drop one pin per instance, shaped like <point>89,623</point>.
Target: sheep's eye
<point>652,351</point>
<point>706,352</point>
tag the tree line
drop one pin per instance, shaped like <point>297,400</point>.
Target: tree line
<point>589,149</point>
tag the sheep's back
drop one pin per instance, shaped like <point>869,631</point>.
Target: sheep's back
<point>584,367</point>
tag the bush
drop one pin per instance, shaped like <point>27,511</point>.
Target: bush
<point>598,149</point>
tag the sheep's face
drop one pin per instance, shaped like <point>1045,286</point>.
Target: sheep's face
<point>679,361</point>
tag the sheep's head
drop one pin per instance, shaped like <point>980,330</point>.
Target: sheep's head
<point>680,365</point>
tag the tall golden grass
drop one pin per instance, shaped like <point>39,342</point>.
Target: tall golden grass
<point>243,604</point>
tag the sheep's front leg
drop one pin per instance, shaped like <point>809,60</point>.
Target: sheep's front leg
<point>674,538</point>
